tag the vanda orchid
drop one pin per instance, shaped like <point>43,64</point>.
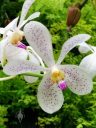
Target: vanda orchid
<point>13,35</point>
<point>89,62</point>
<point>56,77</point>
<point>11,47</point>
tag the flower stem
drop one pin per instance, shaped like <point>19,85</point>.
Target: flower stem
<point>27,74</point>
<point>7,78</point>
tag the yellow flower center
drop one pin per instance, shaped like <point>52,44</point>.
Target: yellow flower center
<point>57,75</point>
<point>16,37</point>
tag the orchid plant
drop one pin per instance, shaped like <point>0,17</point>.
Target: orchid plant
<point>56,77</point>
<point>11,47</point>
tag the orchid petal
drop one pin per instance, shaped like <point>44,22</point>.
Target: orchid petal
<point>3,43</point>
<point>30,79</point>
<point>71,43</point>
<point>33,16</point>
<point>84,48</point>
<point>34,60</point>
<point>7,34</point>
<point>21,66</point>
<point>50,99</point>
<point>27,4</point>
<point>12,25</point>
<point>2,30</point>
<point>94,48</point>
<point>15,53</point>
<point>89,64</point>
<point>39,38</point>
<point>36,55</point>
<point>77,79</point>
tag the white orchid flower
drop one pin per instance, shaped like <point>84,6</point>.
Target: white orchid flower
<point>57,76</point>
<point>13,34</point>
<point>13,25</point>
<point>11,47</point>
<point>88,63</point>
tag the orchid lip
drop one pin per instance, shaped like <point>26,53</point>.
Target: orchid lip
<point>62,85</point>
<point>21,45</point>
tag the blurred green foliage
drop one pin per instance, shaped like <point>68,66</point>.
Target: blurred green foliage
<point>16,94</point>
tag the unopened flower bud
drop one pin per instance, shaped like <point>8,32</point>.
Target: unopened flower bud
<point>73,17</point>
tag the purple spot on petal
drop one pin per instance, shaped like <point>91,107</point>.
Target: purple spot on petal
<point>21,45</point>
<point>62,85</point>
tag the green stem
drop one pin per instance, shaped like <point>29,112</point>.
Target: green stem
<point>7,78</point>
<point>27,74</point>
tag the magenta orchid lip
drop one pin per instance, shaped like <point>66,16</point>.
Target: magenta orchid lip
<point>21,45</point>
<point>62,85</point>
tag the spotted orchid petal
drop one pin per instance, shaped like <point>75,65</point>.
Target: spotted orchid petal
<point>21,66</point>
<point>34,60</point>
<point>71,43</point>
<point>33,16</point>
<point>78,81</point>
<point>27,4</point>
<point>89,64</point>
<point>39,38</point>
<point>49,96</point>
<point>84,48</point>
<point>14,53</point>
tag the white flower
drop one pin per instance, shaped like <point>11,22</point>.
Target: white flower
<point>11,47</point>
<point>12,34</point>
<point>88,63</point>
<point>57,76</point>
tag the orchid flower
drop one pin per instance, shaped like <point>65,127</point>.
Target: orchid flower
<point>12,33</point>
<point>13,25</point>
<point>89,62</point>
<point>57,76</point>
<point>11,47</point>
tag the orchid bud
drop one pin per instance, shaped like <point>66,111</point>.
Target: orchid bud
<point>73,17</point>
